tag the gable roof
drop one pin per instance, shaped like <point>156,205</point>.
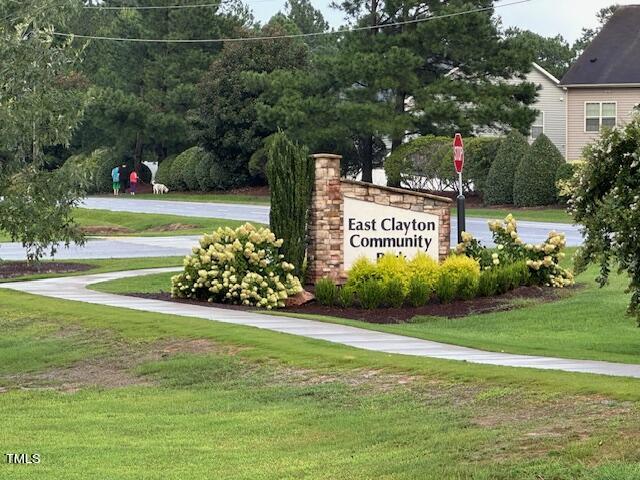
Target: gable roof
<point>547,74</point>
<point>612,57</point>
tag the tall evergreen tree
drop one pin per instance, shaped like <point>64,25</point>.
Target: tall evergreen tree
<point>225,121</point>
<point>143,91</point>
<point>436,77</point>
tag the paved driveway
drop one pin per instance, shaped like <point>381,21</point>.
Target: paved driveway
<point>130,247</point>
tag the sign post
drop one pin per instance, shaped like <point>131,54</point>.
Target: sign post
<point>458,163</point>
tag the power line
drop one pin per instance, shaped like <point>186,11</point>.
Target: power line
<point>297,35</point>
<point>150,7</point>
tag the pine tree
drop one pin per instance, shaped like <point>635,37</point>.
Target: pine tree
<point>291,175</point>
<point>535,180</point>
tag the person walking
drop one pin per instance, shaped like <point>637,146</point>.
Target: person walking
<point>133,182</point>
<point>124,178</point>
<point>115,177</point>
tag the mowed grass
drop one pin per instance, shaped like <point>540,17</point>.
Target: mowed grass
<point>108,223</point>
<point>152,283</point>
<point>208,197</point>
<point>128,395</point>
<point>550,214</point>
<point>587,322</point>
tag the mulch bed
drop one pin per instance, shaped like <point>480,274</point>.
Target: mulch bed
<point>399,315</point>
<point>18,269</point>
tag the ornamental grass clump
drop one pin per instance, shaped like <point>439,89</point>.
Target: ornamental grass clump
<point>542,259</point>
<point>240,266</point>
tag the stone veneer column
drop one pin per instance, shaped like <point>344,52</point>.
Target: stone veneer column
<point>324,255</point>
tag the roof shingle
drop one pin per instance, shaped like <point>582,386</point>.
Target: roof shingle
<point>613,57</point>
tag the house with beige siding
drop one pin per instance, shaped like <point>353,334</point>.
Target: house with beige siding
<point>603,85</point>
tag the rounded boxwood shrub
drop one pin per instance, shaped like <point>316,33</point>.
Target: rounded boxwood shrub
<point>176,180</point>
<point>535,180</point>
<point>103,161</point>
<point>190,175</point>
<point>499,188</point>
<point>164,170</point>
<point>238,266</point>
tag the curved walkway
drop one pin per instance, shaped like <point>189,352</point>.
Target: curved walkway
<point>74,288</point>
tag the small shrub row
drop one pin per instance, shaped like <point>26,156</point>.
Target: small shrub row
<point>394,281</point>
<point>194,169</point>
<point>94,169</point>
<point>524,175</point>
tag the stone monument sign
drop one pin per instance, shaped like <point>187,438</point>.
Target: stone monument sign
<point>351,219</point>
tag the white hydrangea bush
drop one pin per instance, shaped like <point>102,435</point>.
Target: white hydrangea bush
<point>543,259</point>
<point>241,266</point>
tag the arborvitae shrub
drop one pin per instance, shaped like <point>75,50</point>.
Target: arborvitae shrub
<point>499,186</point>
<point>535,180</point>
<point>291,175</point>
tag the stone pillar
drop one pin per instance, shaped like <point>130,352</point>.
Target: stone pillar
<point>324,255</point>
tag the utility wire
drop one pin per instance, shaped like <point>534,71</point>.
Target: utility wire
<point>297,35</point>
<point>151,7</point>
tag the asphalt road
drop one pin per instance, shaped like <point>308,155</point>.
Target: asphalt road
<point>130,247</point>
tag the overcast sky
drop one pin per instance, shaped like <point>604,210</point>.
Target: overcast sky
<point>546,17</point>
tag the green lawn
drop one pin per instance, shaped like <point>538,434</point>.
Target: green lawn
<point>108,223</point>
<point>207,197</point>
<point>590,323</point>
<point>552,215</point>
<point>101,392</point>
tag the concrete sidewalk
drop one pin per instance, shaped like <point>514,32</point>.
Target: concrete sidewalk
<point>74,288</point>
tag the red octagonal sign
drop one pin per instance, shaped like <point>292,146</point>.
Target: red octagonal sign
<point>458,153</point>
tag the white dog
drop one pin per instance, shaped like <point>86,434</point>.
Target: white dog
<point>159,188</point>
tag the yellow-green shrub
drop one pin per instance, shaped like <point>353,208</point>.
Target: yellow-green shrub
<point>426,269</point>
<point>463,274</point>
<point>362,270</point>
<point>394,267</point>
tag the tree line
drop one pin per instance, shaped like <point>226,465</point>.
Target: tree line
<point>357,93</point>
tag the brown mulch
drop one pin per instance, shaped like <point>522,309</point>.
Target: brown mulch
<point>462,308</point>
<point>18,269</point>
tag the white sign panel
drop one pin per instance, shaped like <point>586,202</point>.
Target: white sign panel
<point>372,230</point>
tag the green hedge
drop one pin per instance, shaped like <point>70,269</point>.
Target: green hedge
<point>95,169</point>
<point>535,180</point>
<point>431,158</point>
<point>500,181</point>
